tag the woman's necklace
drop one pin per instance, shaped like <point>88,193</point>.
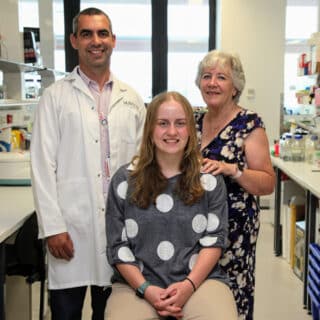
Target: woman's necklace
<point>212,126</point>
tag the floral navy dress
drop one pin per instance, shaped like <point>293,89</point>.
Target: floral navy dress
<point>239,258</point>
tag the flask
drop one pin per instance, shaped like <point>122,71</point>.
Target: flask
<point>297,148</point>
<point>310,147</point>
<point>287,145</point>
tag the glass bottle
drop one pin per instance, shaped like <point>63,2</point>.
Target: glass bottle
<point>281,143</point>
<point>287,145</point>
<point>297,148</point>
<point>316,155</point>
<point>310,147</point>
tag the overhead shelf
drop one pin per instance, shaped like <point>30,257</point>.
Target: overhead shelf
<point>12,103</point>
<point>16,67</point>
<point>14,77</point>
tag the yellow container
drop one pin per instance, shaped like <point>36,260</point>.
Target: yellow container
<point>15,139</point>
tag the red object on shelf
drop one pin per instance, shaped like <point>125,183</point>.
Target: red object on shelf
<point>9,118</point>
<point>276,149</point>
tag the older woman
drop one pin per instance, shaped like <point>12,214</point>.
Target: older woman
<point>234,141</point>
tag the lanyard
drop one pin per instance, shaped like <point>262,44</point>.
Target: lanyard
<point>103,119</point>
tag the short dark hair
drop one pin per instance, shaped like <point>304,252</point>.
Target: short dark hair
<point>88,12</point>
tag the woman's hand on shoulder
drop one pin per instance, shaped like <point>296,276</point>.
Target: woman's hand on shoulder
<point>218,167</point>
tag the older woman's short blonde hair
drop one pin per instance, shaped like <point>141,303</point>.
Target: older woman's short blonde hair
<point>222,59</point>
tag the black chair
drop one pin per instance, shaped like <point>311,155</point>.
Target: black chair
<point>26,257</point>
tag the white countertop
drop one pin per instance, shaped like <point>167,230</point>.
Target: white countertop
<point>301,172</point>
<point>16,204</point>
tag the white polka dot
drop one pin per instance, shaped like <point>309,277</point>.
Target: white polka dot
<point>132,228</point>
<point>199,223</point>
<point>125,254</point>
<point>193,260</point>
<point>122,189</point>
<point>208,241</point>
<point>165,250</point>
<point>213,222</point>
<point>209,182</point>
<point>124,235</point>
<point>164,202</point>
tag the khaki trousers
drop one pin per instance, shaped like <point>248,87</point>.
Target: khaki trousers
<point>213,300</point>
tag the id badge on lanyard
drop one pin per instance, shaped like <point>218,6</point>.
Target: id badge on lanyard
<point>104,122</point>
<point>107,167</point>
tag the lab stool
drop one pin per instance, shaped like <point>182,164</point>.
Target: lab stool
<point>26,257</point>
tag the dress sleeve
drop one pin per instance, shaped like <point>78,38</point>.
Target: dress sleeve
<point>254,121</point>
<point>216,233</point>
<point>118,246</point>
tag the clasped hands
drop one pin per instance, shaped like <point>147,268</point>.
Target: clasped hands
<point>169,301</point>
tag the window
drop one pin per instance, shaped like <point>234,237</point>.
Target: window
<point>131,23</point>
<point>188,34</point>
<point>188,37</point>
<point>301,22</point>
<point>25,18</point>
<point>58,29</point>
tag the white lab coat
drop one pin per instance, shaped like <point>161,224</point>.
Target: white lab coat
<point>66,172</point>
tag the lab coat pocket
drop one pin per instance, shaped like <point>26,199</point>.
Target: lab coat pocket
<point>75,204</point>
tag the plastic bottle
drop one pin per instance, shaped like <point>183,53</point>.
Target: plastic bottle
<point>287,145</point>
<point>281,143</point>
<point>30,89</point>
<point>276,148</point>
<point>310,147</point>
<point>316,155</point>
<point>297,148</point>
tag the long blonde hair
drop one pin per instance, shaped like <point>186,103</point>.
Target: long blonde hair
<point>147,179</point>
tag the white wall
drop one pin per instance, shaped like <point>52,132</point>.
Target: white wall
<point>9,29</point>
<point>47,41</point>
<point>255,29</point>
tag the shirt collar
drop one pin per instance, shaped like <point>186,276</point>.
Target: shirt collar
<point>90,82</point>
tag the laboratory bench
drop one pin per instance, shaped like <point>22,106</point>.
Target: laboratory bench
<point>308,178</point>
<point>16,205</point>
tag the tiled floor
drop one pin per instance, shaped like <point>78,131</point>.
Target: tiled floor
<point>278,290</point>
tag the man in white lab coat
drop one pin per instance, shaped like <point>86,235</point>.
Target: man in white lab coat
<point>86,125</point>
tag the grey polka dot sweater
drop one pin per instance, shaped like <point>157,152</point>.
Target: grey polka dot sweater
<point>164,240</point>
